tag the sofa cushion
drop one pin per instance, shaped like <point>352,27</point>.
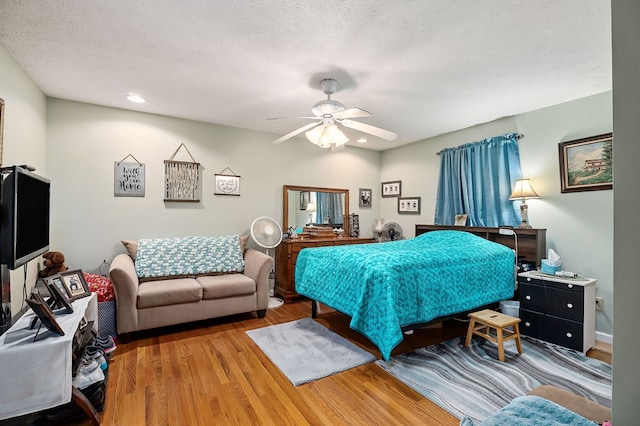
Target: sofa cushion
<point>228,285</point>
<point>167,257</point>
<point>168,292</point>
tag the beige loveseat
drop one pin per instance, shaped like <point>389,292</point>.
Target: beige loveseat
<point>149,303</point>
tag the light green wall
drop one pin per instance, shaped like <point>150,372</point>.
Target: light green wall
<point>626,152</point>
<point>88,222</point>
<point>579,225</point>
<point>24,141</point>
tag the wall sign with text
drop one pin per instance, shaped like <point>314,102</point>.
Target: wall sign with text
<point>128,179</point>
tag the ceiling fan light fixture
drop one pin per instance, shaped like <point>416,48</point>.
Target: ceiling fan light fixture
<point>326,135</point>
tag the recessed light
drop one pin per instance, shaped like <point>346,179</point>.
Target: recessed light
<point>362,140</point>
<point>134,97</point>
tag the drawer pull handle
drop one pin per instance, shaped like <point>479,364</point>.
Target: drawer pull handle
<point>528,279</point>
<point>527,324</point>
<point>569,305</point>
<point>570,285</point>
<point>569,335</point>
<point>528,297</point>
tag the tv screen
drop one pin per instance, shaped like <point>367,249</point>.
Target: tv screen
<point>25,217</point>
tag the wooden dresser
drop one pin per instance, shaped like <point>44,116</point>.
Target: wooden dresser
<point>532,243</point>
<point>287,254</point>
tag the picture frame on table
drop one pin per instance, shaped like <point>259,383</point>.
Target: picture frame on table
<point>460,220</point>
<point>586,164</point>
<point>44,314</point>
<point>365,196</point>
<point>392,189</point>
<point>59,292</point>
<point>409,205</point>
<point>75,284</point>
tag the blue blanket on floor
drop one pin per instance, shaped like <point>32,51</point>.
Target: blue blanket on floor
<point>387,286</point>
<point>532,411</point>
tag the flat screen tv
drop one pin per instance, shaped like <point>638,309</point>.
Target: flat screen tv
<point>24,232</point>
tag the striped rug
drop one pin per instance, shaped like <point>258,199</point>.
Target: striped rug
<point>472,382</point>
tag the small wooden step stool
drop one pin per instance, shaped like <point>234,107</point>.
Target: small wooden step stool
<point>488,319</point>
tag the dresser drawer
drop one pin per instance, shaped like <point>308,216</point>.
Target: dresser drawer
<point>552,329</point>
<point>568,304</point>
<point>567,286</point>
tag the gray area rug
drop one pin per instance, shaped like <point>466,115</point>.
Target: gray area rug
<point>305,350</point>
<point>472,382</point>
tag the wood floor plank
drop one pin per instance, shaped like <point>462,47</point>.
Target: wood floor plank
<point>212,373</point>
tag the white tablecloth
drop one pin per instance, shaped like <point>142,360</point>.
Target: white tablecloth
<point>37,375</point>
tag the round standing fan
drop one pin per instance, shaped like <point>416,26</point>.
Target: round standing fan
<point>267,233</point>
<point>391,231</point>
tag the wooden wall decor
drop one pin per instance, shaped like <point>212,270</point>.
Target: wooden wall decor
<point>181,178</point>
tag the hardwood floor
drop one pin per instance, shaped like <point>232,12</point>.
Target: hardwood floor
<point>211,373</point>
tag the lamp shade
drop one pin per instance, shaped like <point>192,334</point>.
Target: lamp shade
<point>326,135</point>
<point>311,207</point>
<point>523,190</point>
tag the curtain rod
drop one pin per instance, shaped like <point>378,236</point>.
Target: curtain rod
<point>518,137</point>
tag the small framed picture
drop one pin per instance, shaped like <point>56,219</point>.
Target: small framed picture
<point>409,205</point>
<point>460,220</point>
<point>42,311</point>
<point>75,284</point>
<point>365,197</point>
<point>392,189</point>
<point>586,164</point>
<point>59,293</point>
<point>305,198</point>
<point>227,185</point>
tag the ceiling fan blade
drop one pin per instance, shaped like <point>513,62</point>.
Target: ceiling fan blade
<point>297,132</point>
<point>291,118</point>
<point>352,113</point>
<point>372,130</point>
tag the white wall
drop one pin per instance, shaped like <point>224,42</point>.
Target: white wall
<point>626,152</point>
<point>24,142</point>
<point>88,222</point>
<point>579,225</point>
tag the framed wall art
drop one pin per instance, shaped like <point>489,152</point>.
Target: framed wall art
<point>392,189</point>
<point>364,197</point>
<point>586,164</point>
<point>227,184</point>
<point>305,198</point>
<point>409,205</point>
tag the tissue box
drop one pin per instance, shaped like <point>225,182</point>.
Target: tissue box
<point>548,268</point>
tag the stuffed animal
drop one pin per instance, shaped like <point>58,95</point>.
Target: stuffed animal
<point>53,263</point>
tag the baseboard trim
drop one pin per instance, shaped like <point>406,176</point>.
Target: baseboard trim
<point>604,337</point>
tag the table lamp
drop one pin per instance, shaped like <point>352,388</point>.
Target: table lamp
<point>523,191</point>
<point>311,208</point>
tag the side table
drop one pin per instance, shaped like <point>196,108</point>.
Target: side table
<point>37,375</point>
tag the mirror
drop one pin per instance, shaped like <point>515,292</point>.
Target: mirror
<point>303,205</point>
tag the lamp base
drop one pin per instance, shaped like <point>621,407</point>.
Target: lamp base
<point>524,225</point>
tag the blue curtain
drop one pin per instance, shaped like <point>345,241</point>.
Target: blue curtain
<point>329,204</point>
<point>477,179</point>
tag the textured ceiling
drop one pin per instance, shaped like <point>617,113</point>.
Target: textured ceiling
<point>422,67</point>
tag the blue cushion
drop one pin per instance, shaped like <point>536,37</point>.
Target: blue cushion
<point>169,257</point>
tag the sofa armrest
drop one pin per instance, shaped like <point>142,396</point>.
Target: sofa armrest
<point>125,283</point>
<point>257,266</point>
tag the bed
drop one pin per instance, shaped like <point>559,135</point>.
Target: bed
<point>389,287</point>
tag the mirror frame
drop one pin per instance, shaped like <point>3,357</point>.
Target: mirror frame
<point>285,203</point>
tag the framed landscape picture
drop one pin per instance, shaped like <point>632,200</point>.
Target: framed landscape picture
<point>586,164</point>
<point>392,189</point>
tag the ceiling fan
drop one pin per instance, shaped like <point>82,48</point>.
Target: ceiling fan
<point>328,114</point>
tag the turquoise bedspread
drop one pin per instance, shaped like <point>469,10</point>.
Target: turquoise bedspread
<point>386,286</point>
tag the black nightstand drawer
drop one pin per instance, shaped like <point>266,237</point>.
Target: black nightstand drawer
<point>552,329</point>
<point>567,286</point>
<point>567,304</point>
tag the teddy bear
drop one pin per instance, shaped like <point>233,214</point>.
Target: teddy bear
<point>53,263</point>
